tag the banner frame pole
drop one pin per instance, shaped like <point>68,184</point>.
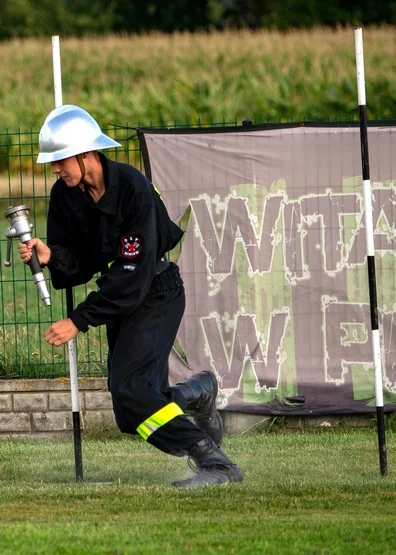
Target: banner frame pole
<point>368,212</point>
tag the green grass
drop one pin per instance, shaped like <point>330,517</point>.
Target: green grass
<point>304,493</point>
<point>24,318</point>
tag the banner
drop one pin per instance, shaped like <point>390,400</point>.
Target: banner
<point>274,262</point>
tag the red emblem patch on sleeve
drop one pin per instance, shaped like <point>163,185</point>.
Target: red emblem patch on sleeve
<point>131,246</point>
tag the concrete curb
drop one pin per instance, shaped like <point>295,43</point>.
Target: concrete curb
<point>42,408</point>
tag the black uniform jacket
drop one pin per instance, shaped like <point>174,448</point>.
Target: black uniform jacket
<point>122,236</point>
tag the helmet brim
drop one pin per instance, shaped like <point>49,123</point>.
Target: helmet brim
<point>102,142</point>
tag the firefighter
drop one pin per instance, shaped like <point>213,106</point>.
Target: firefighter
<point>106,218</point>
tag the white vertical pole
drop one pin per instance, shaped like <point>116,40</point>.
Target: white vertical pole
<point>72,344</point>
<point>368,214</point>
<point>56,65</point>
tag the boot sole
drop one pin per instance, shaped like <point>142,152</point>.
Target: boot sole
<point>202,481</point>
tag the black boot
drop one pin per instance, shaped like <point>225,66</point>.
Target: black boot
<point>200,392</point>
<point>213,467</point>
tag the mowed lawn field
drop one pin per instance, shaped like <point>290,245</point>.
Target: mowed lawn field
<point>304,493</point>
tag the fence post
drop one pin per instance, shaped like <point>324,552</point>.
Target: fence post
<point>247,123</point>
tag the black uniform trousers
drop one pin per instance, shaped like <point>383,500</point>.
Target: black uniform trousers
<point>139,348</point>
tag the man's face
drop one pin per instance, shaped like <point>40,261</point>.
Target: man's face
<point>69,170</point>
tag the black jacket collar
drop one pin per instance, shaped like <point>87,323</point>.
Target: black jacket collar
<point>108,203</point>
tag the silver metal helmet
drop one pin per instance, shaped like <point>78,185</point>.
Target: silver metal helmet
<point>68,131</point>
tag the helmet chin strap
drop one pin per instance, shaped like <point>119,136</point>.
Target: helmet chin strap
<point>80,161</point>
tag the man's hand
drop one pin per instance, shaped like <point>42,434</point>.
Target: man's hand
<point>43,251</point>
<point>61,332</point>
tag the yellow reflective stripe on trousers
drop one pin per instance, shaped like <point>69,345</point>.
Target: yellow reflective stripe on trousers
<point>158,419</point>
<point>110,263</point>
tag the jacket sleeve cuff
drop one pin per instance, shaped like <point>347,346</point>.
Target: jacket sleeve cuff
<point>79,321</point>
<point>54,257</point>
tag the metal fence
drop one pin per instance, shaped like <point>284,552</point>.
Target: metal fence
<point>23,316</point>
